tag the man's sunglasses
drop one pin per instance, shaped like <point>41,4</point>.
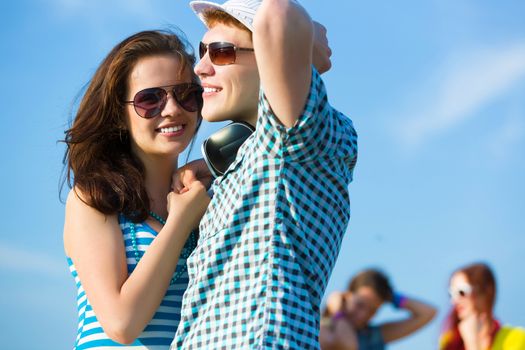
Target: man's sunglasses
<point>221,53</point>
<point>150,102</point>
<point>460,292</point>
<point>220,149</point>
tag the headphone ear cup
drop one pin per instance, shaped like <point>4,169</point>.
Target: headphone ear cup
<point>220,149</point>
<point>210,159</point>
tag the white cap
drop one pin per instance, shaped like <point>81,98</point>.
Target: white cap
<point>241,10</point>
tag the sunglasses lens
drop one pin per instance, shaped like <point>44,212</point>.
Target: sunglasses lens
<point>148,103</point>
<point>189,96</point>
<point>202,49</point>
<point>460,292</point>
<point>222,53</point>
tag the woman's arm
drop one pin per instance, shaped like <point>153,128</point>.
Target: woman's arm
<point>420,314</point>
<point>124,305</point>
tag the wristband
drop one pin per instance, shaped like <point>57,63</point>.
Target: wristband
<point>399,300</point>
<point>338,315</point>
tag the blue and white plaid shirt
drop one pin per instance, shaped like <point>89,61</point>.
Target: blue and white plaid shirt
<point>271,235</point>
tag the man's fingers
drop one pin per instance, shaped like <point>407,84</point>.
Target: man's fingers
<point>188,177</point>
<point>182,179</point>
<point>176,183</point>
<point>321,50</point>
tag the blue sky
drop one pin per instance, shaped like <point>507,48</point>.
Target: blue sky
<point>436,90</point>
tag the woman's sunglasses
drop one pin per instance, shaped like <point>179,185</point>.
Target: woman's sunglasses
<point>460,291</point>
<point>150,102</point>
<point>221,53</point>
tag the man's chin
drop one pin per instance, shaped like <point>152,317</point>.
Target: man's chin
<point>214,118</point>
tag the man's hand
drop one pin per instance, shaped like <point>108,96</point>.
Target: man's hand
<point>321,50</point>
<point>196,170</point>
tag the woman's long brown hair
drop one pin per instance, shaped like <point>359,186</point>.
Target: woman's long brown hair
<point>98,157</point>
<point>482,279</point>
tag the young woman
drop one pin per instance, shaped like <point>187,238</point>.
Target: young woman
<point>471,324</point>
<point>127,234</point>
<point>345,324</point>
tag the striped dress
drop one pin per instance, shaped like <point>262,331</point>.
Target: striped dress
<point>159,333</point>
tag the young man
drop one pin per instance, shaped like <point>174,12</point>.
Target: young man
<point>271,235</point>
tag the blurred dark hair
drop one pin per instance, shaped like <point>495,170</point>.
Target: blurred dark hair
<point>98,158</point>
<point>481,278</point>
<point>374,279</point>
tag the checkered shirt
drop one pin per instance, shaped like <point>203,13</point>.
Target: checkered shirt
<point>271,235</point>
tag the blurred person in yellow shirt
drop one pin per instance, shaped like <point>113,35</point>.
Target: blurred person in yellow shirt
<point>471,324</point>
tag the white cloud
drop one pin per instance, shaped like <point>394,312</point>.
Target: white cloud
<point>460,88</point>
<point>17,259</point>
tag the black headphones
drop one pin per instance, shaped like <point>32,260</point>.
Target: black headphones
<point>220,149</point>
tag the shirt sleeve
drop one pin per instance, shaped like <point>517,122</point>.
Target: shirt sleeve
<point>320,131</point>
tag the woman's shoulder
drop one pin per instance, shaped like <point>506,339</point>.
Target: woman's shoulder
<point>76,199</point>
<point>84,222</point>
<point>77,205</point>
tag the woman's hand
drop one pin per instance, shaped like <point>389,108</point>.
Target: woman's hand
<point>334,303</point>
<point>475,330</point>
<point>189,205</point>
<point>468,328</point>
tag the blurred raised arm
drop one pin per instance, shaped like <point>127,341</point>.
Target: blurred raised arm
<point>420,314</point>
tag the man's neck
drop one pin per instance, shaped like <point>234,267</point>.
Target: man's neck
<point>252,121</point>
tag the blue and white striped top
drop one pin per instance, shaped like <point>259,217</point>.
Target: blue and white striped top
<point>159,333</point>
